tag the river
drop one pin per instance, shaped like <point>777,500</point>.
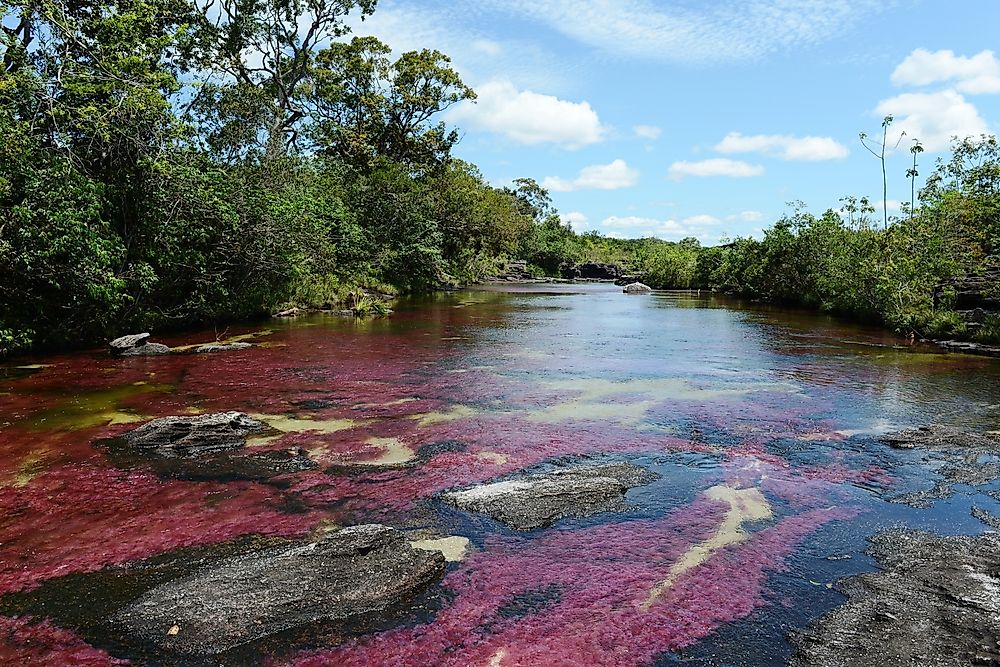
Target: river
<point>761,424</point>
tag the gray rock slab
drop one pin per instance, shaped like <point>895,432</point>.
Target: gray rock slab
<point>349,573</point>
<point>541,499</point>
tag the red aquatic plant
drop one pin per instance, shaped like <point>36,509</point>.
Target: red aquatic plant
<point>80,518</point>
<point>582,596</point>
<point>28,642</point>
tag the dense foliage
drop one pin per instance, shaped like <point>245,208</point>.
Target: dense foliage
<point>171,162</point>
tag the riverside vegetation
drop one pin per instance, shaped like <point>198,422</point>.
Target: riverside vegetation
<point>177,162</point>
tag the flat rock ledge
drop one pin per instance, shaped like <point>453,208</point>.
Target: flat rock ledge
<point>346,575</point>
<point>636,288</point>
<point>963,457</point>
<point>936,602</point>
<point>184,437</point>
<point>539,500</point>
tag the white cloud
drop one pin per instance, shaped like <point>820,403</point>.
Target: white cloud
<point>746,216</point>
<point>715,167</point>
<point>671,230</point>
<point>487,46</point>
<point>578,221</point>
<point>973,75</point>
<point>699,220</point>
<point>614,176</point>
<point>784,146</point>
<point>933,118</point>
<point>530,118</point>
<point>717,31</point>
<point>650,132</point>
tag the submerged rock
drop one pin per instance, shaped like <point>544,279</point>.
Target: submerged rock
<point>539,500</point>
<point>936,602</point>
<point>943,438</point>
<point>347,574</point>
<point>221,347</point>
<point>637,288</point>
<point>193,436</point>
<point>960,457</point>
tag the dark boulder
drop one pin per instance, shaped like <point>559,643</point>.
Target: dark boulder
<point>192,436</point>
<point>592,271</point>
<point>346,575</point>
<point>539,500</point>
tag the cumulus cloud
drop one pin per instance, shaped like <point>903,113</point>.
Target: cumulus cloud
<point>973,75</point>
<point>578,221</point>
<point>670,230</point>
<point>934,118</point>
<point>746,216</point>
<point>715,167</point>
<point>695,32</point>
<point>614,176</point>
<point>530,118</point>
<point>650,132</point>
<point>784,146</point>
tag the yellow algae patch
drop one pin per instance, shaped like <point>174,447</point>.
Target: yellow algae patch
<point>493,457</point>
<point>34,367</point>
<point>454,413</point>
<point>497,658</point>
<point>286,424</point>
<point>28,469</point>
<point>193,410</point>
<point>222,341</point>
<point>745,505</point>
<point>598,398</point>
<point>96,408</point>
<point>454,547</point>
<point>398,401</point>
<point>394,452</point>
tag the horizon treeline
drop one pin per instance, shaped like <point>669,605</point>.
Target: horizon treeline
<point>168,163</point>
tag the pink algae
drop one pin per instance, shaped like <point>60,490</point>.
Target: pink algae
<point>29,642</point>
<point>80,518</point>
<point>586,590</point>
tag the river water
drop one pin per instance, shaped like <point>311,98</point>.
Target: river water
<point>762,425</point>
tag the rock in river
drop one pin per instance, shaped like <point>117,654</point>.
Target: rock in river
<point>637,288</point>
<point>539,500</point>
<point>347,574</point>
<point>193,436</point>
<point>959,457</point>
<point>135,345</point>
<point>936,602</point>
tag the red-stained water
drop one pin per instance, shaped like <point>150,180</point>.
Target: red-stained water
<point>473,386</point>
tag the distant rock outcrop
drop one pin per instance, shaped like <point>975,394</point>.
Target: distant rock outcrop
<point>592,271</point>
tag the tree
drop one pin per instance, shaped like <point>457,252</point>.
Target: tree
<point>880,154</point>
<point>367,107</point>
<point>262,54</point>
<point>912,174</point>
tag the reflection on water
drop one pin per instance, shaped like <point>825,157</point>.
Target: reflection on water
<point>761,423</point>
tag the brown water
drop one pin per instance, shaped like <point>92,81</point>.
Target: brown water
<point>761,423</point>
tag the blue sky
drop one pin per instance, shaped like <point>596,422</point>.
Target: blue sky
<point>676,118</point>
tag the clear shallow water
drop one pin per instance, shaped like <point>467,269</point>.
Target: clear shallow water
<point>761,423</point>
